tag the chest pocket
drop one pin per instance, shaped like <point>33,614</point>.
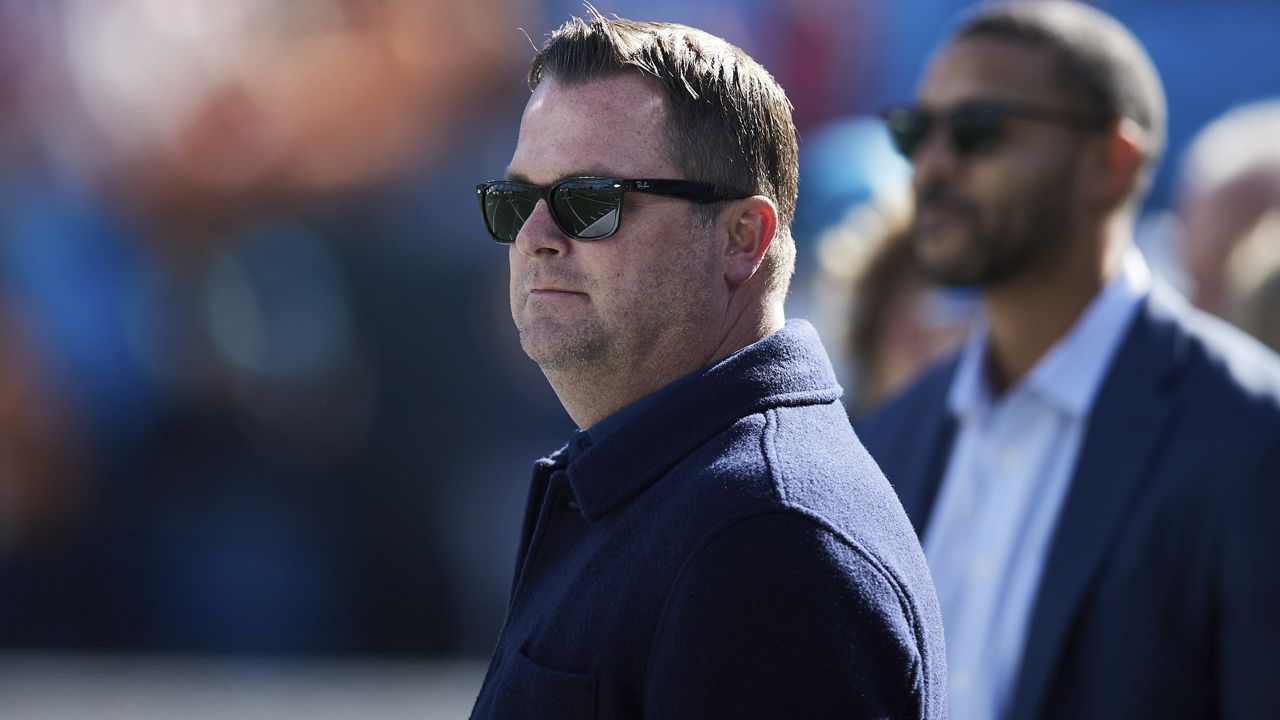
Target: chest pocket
<point>529,691</point>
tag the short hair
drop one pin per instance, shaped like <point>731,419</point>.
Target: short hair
<point>730,122</point>
<point>1096,58</point>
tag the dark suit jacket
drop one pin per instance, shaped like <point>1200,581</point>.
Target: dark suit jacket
<point>1161,590</point>
<point>730,552</point>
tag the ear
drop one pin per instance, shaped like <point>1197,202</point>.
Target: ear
<point>750,225</point>
<point>1118,162</point>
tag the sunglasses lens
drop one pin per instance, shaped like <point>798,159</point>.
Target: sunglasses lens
<point>907,127</point>
<point>586,210</point>
<point>976,129</point>
<point>506,207</point>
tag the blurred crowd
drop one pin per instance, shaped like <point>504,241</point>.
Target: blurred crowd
<point>259,390</point>
<point>253,391</point>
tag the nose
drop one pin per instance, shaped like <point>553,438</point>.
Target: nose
<point>934,159</point>
<point>539,235</point>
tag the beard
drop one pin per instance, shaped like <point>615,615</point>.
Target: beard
<point>994,244</point>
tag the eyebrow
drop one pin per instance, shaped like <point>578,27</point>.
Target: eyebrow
<point>516,176</point>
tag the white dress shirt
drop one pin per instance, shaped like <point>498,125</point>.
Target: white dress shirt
<point>1005,483</point>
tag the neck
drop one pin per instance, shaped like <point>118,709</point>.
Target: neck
<point>592,393</point>
<point>1031,312</point>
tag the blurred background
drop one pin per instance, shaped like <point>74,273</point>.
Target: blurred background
<point>265,426</point>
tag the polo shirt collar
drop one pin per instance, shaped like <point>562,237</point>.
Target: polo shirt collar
<point>787,368</point>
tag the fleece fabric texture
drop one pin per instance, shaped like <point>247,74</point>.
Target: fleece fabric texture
<point>731,552</point>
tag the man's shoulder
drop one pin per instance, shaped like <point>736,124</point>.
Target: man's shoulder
<point>822,538</point>
<point>803,459</point>
<point>784,453</point>
<point>818,469</point>
<point>1221,364</point>
<point>803,456</point>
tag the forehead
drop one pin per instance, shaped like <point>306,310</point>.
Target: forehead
<point>612,126</point>
<point>993,69</point>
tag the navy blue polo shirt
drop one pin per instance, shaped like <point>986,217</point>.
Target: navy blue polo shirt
<point>723,549</point>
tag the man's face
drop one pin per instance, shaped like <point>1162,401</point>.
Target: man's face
<point>985,217</point>
<point>649,289</point>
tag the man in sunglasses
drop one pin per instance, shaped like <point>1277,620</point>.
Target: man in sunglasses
<point>713,542</point>
<point>1096,475</point>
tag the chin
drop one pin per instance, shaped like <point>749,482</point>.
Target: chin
<point>947,255</point>
<point>555,347</point>
<point>948,269</point>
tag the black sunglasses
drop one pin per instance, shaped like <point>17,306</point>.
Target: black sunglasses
<point>976,127</point>
<point>584,208</point>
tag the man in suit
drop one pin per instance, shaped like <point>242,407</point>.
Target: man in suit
<point>1096,475</point>
<point>712,542</point>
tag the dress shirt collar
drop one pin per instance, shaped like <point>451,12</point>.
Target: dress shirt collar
<point>1071,372</point>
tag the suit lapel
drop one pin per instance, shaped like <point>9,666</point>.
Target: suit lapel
<point>923,474</point>
<point>1124,433</point>
<point>918,444</point>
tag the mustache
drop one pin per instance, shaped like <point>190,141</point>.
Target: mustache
<point>532,277</point>
<point>940,196</point>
